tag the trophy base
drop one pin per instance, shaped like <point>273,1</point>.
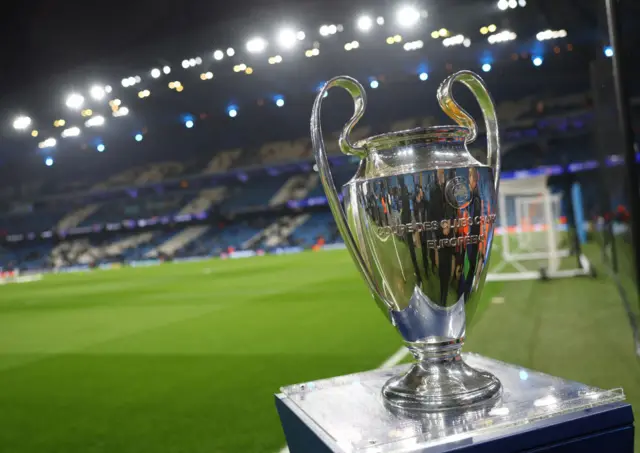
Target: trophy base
<point>437,385</point>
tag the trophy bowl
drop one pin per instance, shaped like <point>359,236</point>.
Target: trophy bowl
<point>418,219</point>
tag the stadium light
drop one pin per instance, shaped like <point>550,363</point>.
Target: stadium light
<point>166,70</point>
<point>95,121</point>
<point>230,52</point>
<point>380,20</point>
<point>21,123</point>
<point>75,101</point>
<point>608,51</point>
<point>374,84</point>
<point>97,92</point>
<point>503,5</point>
<point>423,76</point>
<point>522,3</point>
<point>327,30</point>
<point>100,147</point>
<point>537,61</point>
<point>407,16</point>
<point>486,67</point>
<point>155,73</point>
<point>185,64</point>
<point>108,89</point>
<point>256,45</point>
<point>286,38</point>
<point>218,55</point>
<point>48,161</point>
<point>188,124</point>
<point>48,143</point>
<point>34,133</point>
<point>279,101</point>
<point>513,4</point>
<point>364,23</point>
<point>300,35</point>
<point>138,137</point>
<point>70,132</point>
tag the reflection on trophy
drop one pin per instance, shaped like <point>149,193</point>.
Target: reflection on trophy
<point>418,220</point>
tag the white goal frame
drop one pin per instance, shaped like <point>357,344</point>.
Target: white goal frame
<point>528,191</point>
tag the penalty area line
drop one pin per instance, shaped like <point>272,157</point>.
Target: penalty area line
<point>395,359</point>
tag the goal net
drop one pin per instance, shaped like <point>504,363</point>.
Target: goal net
<point>532,240</point>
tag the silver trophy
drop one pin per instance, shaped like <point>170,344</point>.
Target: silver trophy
<point>418,220</point>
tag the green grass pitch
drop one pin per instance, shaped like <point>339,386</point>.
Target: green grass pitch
<point>185,358</point>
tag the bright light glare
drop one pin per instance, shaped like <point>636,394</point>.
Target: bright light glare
<point>155,73</point>
<point>280,102</point>
<point>256,45</point>
<point>188,124</point>
<point>100,148</point>
<point>71,132</point>
<point>48,161</point>
<point>608,51</point>
<point>513,4</point>
<point>75,101</point>
<point>166,69</point>
<point>48,143</point>
<point>97,92</point>
<point>503,4</point>
<point>407,16</point>
<point>138,137</point>
<point>286,38</point>
<point>537,61</point>
<point>21,122</point>
<point>185,64</point>
<point>232,112</point>
<point>230,52</point>
<point>95,121</point>
<point>380,20</point>
<point>423,76</point>
<point>486,67</point>
<point>374,84</point>
<point>364,23</point>
<point>218,55</point>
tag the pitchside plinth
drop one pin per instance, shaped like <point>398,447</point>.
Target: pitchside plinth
<point>535,412</point>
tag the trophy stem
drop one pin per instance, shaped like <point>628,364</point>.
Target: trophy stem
<point>441,380</point>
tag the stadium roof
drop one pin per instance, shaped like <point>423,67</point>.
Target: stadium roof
<point>127,40</point>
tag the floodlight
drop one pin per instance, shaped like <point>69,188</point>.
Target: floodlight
<point>70,132</point>
<point>75,101</point>
<point>503,4</point>
<point>256,45</point>
<point>513,4</point>
<point>95,121</point>
<point>486,67</point>
<point>155,73</point>
<point>100,148</point>
<point>279,101</point>
<point>97,92</point>
<point>286,38</point>
<point>608,52</point>
<point>166,69</point>
<point>374,84</point>
<point>407,16</point>
<point>48,143</point>
<point>230,52</point>
<point>21,122</point>
<point>232,111</point>
<point>138,137</point>
<point>537,61</point>
<point>300,35</point>
<point>185,64</point>
<point>48,161</point>
<point>423,76</point>
<point>364,23</point>
<point>188,124</point>
<point>218,55</point>
<point>380,20</point>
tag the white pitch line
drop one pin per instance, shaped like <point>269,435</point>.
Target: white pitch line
<point>395,359</point>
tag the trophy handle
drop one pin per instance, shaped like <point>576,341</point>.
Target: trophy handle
<point>476,85</point>
<point>360,100</point>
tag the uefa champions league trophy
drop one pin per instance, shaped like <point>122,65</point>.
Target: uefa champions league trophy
<point>418,220</point>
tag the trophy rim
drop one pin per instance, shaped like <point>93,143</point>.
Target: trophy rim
<point>431,134</point>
